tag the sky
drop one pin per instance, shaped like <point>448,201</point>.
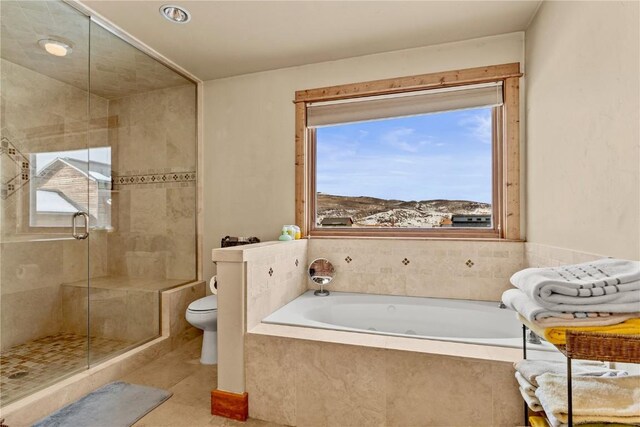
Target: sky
<point>433,156</point>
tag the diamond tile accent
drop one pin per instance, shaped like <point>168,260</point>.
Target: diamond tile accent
<point>406,261</point>
<point>297,262</point>
<point>348,259</point>
<point>17,168</point>
<point>270,271</point>
<point>469,263</point>
<point>152,177</point>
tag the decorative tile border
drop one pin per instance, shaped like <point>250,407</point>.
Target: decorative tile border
<point>22,167</point>
<point>132,179</point>
<point>153,178</point>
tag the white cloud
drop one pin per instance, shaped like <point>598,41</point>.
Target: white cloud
<point>479,125</point>
<point>400,138</point>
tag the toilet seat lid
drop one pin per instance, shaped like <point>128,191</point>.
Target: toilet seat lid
<point>205,304</point>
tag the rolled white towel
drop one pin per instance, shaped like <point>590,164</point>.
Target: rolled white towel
<point>517,300</point>
<point>606,285</point>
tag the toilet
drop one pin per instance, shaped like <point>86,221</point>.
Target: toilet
<point>203,314</point>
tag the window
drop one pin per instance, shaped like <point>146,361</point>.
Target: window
<point>65,182</point>
<point>396,158</point>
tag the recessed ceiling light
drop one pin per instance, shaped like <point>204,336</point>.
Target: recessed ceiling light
<point>175,14</point>
<point>55,47</point>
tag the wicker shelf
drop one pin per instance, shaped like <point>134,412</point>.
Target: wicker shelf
<point>602,347</point>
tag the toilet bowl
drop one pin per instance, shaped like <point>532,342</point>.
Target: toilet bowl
<point>203,314</point>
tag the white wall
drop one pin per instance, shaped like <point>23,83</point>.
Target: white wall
<point>582,120</point>
<point>249,129</point>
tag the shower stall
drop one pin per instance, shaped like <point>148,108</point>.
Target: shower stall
<point>98,193</point>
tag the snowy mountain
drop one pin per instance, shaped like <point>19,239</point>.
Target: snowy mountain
<point>374,212</point>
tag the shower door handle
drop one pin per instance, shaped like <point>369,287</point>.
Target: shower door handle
<point>75,234</point>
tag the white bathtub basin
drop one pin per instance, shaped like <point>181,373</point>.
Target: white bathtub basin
<point>465,321</point>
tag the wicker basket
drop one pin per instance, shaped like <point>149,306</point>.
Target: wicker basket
<point>603,347</point>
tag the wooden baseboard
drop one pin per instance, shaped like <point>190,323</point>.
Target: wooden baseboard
<point>230,405</point>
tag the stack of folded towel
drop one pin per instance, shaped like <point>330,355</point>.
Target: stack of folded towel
<point>528,372</point>
<point>595,400</point>
<point>600,296</point>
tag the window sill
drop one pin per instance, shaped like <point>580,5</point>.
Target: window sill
<point>462,235</point>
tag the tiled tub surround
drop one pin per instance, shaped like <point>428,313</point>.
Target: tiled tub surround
<point>477,270</point>
<point>253,281</point>
<point>300,382</point>
<point>537,255</point>
<point>276,275</point>
<point>267,276</point>
<point>301,376</point>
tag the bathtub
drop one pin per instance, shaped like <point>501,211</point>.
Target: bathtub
<point>462,321</point>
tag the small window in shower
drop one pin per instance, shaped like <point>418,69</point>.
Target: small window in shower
<point>65,182</point>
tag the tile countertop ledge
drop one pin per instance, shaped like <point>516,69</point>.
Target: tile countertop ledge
<point>247,252</point>
<point>447,348</point>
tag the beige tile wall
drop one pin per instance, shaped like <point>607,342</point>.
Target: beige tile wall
<point>297,382</point>
<point>537,255</point>
<point>274,277</point>
<point>129,315</point>
<point>155,228</point>
<point>174,307</point>
<point>435,268</point>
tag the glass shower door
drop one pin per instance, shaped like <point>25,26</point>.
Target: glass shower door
<point>45,198</point>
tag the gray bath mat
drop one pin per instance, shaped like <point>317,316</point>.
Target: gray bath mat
<point>113,405</point>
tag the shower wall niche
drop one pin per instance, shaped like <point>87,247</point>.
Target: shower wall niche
<point>105,134</point>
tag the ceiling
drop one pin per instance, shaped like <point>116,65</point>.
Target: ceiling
<point>226,38</point>
<point>116,69</point>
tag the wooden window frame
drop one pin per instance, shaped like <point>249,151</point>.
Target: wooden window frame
<point>506,151</point>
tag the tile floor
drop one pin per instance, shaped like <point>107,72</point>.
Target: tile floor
<point>38,363</point>
<point>191,383</point>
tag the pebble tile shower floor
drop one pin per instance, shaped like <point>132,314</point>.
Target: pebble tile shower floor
<point>39,363</point>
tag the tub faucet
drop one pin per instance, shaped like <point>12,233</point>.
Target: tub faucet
<point>532,337</point>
